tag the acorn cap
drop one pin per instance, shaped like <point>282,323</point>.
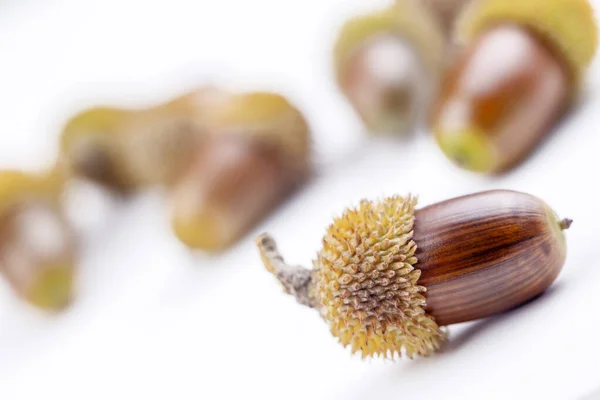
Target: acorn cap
<point>268,117</point>
<point>17,186</point>
<point>97,120</point>
<point>410,20</point>
<point>568,25</point>
<point>367,284</point>
<point>88,144</point>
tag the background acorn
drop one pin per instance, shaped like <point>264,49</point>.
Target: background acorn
<point>389,276</point>
<point>127,149</point>
<point>37,247</point>
<point>257,151</point>
<point>521,64</point>
<point>388,62</point>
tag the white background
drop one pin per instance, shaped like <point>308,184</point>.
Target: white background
<point>153,320</point>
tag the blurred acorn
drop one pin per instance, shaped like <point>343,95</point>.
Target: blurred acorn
<point>387,64</point>
<point>37,247</point>
<point>389,275</point>
<point>256,153</point>
<point>522,63</point>
<point>126,149</point>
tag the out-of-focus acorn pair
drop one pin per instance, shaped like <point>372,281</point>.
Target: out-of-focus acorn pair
<point>388,63</point>
<point>519,66</point>
<point>226,158</point>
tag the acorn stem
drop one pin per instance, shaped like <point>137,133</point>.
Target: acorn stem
<point>296,280</point>
<point>565,223</point>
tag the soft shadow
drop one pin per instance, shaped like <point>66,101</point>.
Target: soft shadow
<point>402,372</point>
<point>595,395</point>
<point>584,267</point>
<point>480,327</point>
<point>477,328</point>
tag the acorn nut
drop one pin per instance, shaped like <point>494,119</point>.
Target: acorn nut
<point>256,153</point>
<point>37,246</point>
<point>521,65</point>
<point>390,276</point>
<point>387,64</point>
<point>128,149</point>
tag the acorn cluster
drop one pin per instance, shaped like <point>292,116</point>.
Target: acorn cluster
<point>225,159</point>
<point>436,58</point>
<point>492,77</point>
<point>390,276</point>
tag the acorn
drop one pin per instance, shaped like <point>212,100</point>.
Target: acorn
<point>390,277</point>
<point>387,64</point>
<point>521,66</point>
<point>37,245</point>
<point>128,149</point>
<point>257,152</point>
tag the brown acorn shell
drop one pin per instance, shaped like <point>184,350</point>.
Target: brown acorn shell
<point>486,253</point>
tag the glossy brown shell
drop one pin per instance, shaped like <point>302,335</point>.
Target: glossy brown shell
<point>486,253</point>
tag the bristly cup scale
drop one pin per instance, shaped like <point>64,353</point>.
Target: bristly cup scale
<point>390,276</point>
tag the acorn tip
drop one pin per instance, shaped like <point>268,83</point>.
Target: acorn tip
<point>565,223</point>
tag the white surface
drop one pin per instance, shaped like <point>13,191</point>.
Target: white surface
<point>154,321</point>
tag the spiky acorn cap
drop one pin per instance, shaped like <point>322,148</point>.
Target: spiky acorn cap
<point>18,186</point>
<point>367,282</point>
<point>364,281</point>
<point>408,19</point>
<point>568,25</point>
<point>268,117</point>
